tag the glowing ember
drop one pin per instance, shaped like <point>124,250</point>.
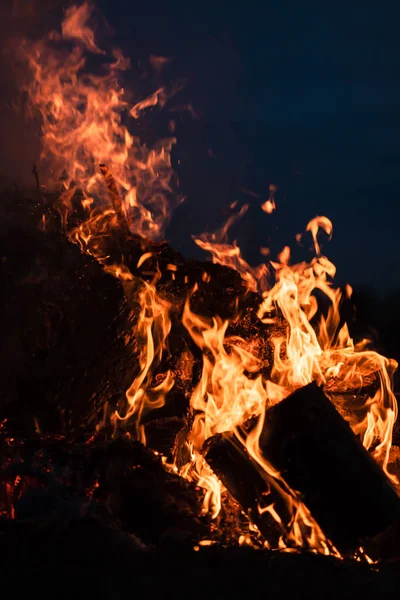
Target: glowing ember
<point>269,205</point>
<point>85,123</point>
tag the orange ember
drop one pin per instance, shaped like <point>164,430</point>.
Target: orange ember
<point>85,120</point>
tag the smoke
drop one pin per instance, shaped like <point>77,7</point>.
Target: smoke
<point>20,137</point>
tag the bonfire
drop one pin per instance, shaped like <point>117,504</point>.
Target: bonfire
<point>184,402</point>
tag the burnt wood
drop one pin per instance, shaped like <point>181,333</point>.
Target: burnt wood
<point>386,545</point>
<point>64,324</point>
<point>68,346</point>
<point>248,483</point>
<point>313,447</point>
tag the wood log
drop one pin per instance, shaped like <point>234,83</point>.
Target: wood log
<point>314,449</point>
<point>305,438</point>
<point>64,323</point>
<point>249,484</point>
<point>386,545</point>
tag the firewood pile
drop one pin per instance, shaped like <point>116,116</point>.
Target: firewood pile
<point>86,502</point>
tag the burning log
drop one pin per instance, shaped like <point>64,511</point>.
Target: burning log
<point>65,330</point>
<point>314,449</point>
<point>246,481</point>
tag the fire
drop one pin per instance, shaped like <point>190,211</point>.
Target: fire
<point>84,118</point>
<point>152,330</point>
<point>229,255</point>
<point>88,152</point>
<point>269,205</point>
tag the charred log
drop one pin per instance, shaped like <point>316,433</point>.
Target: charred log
<point>63,322</point>
<point>248,483</point>
<point>386,545</point>
<point>313,447</point>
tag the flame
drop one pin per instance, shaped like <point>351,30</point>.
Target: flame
<point>151,332</point>
<point>314,225</point>
<point>269,205</point>
<point>124,186</point>
<point>226,398</point>
<point>229,255</point>
<point>74,27</point>
<point>324,352</point>
<point>84,121</point>
<point>157,97</point>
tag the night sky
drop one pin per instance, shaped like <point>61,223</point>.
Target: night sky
<point>302,95</point>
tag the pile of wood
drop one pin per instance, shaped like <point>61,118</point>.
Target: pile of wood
<point>70,354</point>
<point>67,343</point>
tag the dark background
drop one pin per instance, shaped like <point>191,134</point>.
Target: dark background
<point>304,95</point>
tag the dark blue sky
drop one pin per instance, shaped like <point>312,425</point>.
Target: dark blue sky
<point>305,95</point>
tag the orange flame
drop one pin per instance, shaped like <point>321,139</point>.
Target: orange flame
<point>229,255</point>
<point>226,397</point>
<point>269,205</point>
<point>84,124</point>
<point>153,327</point>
